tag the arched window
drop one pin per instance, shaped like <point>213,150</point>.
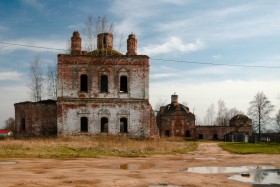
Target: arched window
<point>84,124</point>
<point>84,83</point>
<point>123,84</point>
<point>215,137</point>
<point>104,83</point>
<point>104,125</point>
<point>167,133</point>
<point>188,133</point>
<point>123,125</point>
<point>22,125</point>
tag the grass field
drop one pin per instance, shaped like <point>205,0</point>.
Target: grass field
<point>91,146</point>
<point>250,148</point>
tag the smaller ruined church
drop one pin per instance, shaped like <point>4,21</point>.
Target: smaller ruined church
<point>175,119</point>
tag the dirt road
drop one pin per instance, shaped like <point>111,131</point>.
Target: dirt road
<point>146,171</point>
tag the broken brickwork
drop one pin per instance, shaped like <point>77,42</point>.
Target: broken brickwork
<point>175,119</point>
<point>36,118</point>
<point>104,91</point>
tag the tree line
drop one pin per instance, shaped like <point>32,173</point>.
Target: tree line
<point>260,111</point>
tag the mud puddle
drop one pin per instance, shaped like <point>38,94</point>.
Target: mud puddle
<point>7,163</point>
<point>269,176</point>
<point>134,166</point>
<point>230,169</point>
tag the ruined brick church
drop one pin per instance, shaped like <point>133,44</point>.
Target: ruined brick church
<point>104,91</point>
<point>101,91</point>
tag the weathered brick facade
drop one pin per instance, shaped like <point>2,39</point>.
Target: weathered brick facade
<point>36,118</point>
<point>175,119</point>
<point>103,91</point>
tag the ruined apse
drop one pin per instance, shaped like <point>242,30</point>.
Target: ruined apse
<point>175,119</point>
<point>104,91</point>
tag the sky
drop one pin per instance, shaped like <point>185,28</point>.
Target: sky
<point>183,38</point>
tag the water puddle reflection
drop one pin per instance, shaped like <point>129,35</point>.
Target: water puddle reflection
<point>206,158</point>
<point>250,174</point>
<point>7,163</point>
<point>271,176</point>
<point>221,169</point>
<point>165,184</point>
<point>134,166</point>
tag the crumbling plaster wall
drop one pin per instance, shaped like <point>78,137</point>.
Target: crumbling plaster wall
<point>73,104</point>
<point>137,113</point>
<point>70,68</point>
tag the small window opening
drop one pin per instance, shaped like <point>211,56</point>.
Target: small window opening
<point>22,125</point>
<point>123,84</point>
<point>104,42</point>
<point>104,125</point>
<point>200,136</point>
<point>104,83</point>
<point>215,137</point>
<point>84,124</point>
<point>167,133</point>
<point>188,133</point>
<point>84,83</point>
<point>123,125</point>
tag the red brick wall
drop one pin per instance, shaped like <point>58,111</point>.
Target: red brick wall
<point>40,118</point>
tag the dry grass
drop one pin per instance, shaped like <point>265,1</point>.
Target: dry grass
<point>91,146</point>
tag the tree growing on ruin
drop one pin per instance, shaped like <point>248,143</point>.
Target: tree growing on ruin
<point>93,26</point>
<point>52,81</point>
<point>9,124</point>
<point>36,79</point>
<point>260,110</point>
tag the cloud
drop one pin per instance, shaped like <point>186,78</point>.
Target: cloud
<point>3,28</point>
<point>217,57</point>
<point>10,75</point>
<point>34,3</point>
<point>136,15</point>
<point>162,75</point>
<point>173,44</point>
<point>32,44</point>
<point>199,95</point>
<point>79,26</point>
<point>10,95</point>
<point>210,70</point>
<point>225,23</point>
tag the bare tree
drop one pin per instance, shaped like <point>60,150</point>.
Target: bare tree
<point>277,120</point>
<point>260,110</point>
<point>10,124</point>
<point>233,112</point>
<point>52,81</point>
<point>222,117</point>
<point>159,104</point>
<point>210,115</point>
<point>120,42</point>
<point>90,31</point>
<point>93,27</point>
<point>36,79</point>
